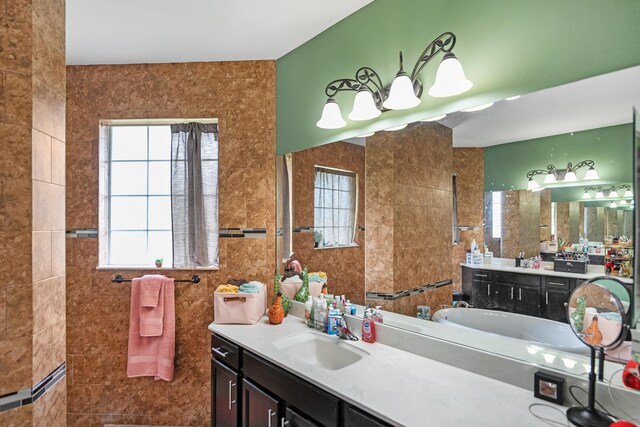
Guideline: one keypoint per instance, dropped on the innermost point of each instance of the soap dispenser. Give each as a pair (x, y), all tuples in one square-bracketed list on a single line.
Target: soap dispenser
[(368, 326)]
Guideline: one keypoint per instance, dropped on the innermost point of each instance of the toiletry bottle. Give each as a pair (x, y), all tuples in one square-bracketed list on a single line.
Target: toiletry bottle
[(307, 308), (318, 319), (368, 326), (332, 321), (343, 309), (377, 317), (352, 308)]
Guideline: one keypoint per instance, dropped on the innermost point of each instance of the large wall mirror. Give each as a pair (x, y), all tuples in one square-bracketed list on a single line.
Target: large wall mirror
[(391, 217)]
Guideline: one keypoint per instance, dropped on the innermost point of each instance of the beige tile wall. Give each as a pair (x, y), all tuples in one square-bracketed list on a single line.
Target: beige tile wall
[(242, 96), (344, 266)]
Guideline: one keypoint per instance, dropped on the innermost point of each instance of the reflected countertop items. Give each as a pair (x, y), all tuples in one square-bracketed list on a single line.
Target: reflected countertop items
[(509, 265), (408, 378)]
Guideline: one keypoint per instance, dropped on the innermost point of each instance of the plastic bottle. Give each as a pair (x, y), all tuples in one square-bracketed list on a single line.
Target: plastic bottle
[(308, 306), (332, 321), (377, 315), (352, 308), (318, 315), (343, 308), (368, 327)]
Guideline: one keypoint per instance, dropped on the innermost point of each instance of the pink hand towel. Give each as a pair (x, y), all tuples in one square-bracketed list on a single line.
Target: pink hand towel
[(152, 356), (151, 305)]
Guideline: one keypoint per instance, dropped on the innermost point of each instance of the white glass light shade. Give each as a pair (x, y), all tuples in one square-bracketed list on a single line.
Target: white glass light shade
[(435, 118), (550, 178), (613, 205), (450, 78), (599, 195), (613, 194), (532, 185), (570, 177), (591, 174), (331, 116), (586, 195), (623, 202), (628, 193), (512, 98), (364, 106), (402, 96), (367, 135)]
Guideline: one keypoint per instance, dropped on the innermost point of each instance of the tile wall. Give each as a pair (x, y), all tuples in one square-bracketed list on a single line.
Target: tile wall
[(344, 266), (32, 198), (242, 96)]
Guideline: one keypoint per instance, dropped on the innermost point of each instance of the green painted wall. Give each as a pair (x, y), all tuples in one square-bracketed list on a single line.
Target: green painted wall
[(506, 165), (507, 47)]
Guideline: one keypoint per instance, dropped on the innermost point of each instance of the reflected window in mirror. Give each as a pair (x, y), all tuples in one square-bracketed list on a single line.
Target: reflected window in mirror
[(455, 232), (287, 204), (496, 215), (554, 220), (335, 207)]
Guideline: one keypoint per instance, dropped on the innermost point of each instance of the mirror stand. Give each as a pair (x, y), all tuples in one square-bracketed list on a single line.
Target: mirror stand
[(589, 416)]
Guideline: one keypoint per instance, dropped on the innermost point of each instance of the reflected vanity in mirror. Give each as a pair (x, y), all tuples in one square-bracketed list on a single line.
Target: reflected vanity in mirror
[(431, 195)]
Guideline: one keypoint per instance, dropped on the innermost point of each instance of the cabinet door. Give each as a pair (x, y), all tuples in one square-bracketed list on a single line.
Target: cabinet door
[(294, 419), (554, 305), (503, 298), (224, 395), (354, 417), (258, 408), (481, 294), (528, 301)]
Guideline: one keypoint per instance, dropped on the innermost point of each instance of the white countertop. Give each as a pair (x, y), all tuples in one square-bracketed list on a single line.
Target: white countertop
[(508, 265), (397, 386)]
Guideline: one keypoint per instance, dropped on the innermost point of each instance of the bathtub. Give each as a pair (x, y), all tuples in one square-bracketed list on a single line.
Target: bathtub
[(534, 330)]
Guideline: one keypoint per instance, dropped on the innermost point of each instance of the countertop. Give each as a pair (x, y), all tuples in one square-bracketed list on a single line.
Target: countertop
[(508, 265), (397, 386)]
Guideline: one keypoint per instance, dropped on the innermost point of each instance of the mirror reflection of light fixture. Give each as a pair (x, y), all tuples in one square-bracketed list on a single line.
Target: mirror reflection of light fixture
[(435, 118), (394, 128), (609, 192), (623, 202), (554, 175), (405, 90), (613, 205), (477, 108)]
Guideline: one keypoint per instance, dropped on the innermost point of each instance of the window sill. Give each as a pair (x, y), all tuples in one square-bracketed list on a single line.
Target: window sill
[(353, 245), (151, 267)]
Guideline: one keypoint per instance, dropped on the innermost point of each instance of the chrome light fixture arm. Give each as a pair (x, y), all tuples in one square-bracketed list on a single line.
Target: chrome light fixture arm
[(365, 76)]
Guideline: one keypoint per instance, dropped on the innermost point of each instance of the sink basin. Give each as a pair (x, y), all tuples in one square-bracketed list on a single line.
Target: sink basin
[(320, 350)]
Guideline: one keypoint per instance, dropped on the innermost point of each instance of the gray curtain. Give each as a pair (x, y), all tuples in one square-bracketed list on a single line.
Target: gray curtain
[(194, 194)]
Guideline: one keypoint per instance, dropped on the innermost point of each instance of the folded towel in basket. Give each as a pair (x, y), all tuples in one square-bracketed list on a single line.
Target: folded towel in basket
[(250, 288), (227, 289)]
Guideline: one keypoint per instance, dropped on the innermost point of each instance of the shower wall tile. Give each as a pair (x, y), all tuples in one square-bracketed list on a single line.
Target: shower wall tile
[(344, 266), (97, 368)]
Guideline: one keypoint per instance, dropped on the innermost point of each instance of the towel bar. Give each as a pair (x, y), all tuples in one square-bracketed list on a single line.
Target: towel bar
[(194, 279)]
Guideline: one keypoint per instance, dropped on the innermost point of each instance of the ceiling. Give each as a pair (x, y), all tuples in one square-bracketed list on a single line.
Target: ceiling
[(596, 102), (153, 31)]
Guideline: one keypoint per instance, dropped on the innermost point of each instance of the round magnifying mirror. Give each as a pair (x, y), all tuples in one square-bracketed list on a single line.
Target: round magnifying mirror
[(596, 312)]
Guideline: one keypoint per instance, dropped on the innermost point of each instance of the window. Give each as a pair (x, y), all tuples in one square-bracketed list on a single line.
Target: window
[(335, 207), (496, 215), (554, 223), (139, 195), (158, 188)]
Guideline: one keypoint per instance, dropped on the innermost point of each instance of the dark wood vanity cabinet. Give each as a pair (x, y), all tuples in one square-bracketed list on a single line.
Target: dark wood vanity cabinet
[(248, 391)]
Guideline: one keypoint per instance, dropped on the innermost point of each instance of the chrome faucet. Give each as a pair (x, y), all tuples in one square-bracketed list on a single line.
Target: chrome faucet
[(343, 330)]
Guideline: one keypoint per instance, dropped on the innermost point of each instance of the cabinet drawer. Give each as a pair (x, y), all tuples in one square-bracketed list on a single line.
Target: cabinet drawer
[(517, 279), (297, 393), (482, 275), (564, 283), (225, 351)]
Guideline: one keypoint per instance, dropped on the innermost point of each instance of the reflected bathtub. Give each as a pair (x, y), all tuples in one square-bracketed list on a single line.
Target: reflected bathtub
[(534, 330)]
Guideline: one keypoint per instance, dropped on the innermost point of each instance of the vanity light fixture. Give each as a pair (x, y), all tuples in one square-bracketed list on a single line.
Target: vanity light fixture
[(532, 185), (477, 108), (434, 118), (373, 98), (609, 193), (554, 175)]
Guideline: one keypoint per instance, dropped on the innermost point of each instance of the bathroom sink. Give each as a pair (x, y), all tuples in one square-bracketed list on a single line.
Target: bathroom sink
[(327, 352)]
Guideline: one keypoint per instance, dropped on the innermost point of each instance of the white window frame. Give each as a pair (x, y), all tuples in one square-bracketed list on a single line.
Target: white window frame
[(355, 195)]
